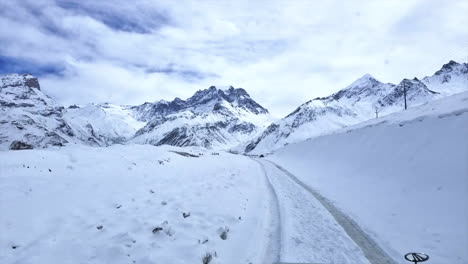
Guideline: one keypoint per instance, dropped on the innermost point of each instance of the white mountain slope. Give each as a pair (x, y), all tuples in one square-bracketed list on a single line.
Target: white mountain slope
[(403, 177), (31, 119), (451, 79), (211, 118), (356, 103), (28, 117), (107, 123)]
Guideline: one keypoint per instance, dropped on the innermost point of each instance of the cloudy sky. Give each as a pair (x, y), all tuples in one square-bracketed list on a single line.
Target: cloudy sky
[(283, 52)]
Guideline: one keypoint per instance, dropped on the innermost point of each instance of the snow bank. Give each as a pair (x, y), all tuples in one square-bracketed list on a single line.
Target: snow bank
[(403, 177)]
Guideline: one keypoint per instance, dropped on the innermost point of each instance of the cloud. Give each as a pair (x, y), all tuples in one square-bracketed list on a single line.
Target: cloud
[(127, 17), (10, 65), (187, 75), (282, 53)]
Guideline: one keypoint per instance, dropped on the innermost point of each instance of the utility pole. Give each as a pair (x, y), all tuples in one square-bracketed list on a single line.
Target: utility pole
[(376, 112), (404, 93)]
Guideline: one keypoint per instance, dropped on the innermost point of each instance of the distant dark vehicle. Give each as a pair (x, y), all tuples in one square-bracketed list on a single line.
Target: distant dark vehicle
[(262, 156)]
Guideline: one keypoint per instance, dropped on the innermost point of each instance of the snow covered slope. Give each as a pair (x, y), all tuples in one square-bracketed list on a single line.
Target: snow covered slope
[(451, 79), (105, 124), (131, 204), (356, 103), (212, 118), (403, 177), (31, 119), (28, 117)]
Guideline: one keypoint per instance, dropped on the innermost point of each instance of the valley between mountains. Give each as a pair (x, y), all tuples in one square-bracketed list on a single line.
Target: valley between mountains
[(214, 178)]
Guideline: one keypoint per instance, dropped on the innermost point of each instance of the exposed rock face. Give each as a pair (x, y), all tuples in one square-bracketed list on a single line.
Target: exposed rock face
[(18, 145), (32, 83)]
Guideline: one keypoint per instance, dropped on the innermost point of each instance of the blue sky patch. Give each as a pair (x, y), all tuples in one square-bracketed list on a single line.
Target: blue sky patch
[(20, 65)]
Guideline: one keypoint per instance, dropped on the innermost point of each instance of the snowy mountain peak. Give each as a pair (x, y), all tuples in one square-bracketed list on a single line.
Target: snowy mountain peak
[(453, 66), (232, 95), (416, 92), (364, 86), (365, 80), (22, 90), (16, 80), (203, 101), (452, 78), (216, 117)]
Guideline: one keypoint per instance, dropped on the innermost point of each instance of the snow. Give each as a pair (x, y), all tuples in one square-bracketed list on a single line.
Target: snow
[(27, 114), (55, 216), (309, 232), (357, 103), (225, 138), (111, 121), (14, 79), (78, 204), (206, 119), (403, 178), (449, 81)]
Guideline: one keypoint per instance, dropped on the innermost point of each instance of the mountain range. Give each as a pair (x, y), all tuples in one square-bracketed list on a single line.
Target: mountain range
[(217, 117), (362, 100)]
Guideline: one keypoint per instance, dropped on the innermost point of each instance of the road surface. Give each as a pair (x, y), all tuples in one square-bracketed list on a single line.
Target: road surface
[(310, 228)]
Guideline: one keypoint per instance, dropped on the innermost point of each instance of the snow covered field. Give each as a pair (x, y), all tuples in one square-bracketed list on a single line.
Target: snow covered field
[(403, 177), (105, 205)]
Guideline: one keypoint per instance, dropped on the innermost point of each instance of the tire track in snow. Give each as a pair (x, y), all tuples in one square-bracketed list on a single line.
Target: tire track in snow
[(371, 249), (273, 254)]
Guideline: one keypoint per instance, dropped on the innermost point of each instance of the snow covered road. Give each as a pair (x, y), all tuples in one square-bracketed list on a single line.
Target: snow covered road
[(312, 229), (370, 248)]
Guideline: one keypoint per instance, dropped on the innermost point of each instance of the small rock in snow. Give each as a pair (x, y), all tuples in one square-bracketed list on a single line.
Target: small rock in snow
[(157, 229), (223, 231), (207, 258)]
